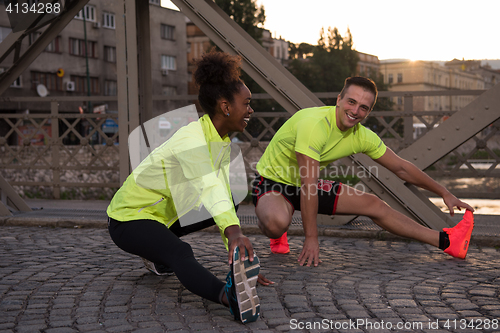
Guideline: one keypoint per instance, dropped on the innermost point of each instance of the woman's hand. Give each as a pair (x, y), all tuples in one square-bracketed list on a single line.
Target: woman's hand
[(235, 239), (263, 281)]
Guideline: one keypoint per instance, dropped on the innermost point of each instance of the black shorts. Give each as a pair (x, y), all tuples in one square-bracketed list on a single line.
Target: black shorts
[(328, 191)]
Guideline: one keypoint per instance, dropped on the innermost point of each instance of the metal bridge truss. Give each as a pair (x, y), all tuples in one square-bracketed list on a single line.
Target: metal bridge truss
[(135, 100)]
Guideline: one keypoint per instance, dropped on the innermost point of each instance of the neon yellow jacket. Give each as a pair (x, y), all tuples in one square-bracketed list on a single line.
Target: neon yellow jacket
[(189, 169)]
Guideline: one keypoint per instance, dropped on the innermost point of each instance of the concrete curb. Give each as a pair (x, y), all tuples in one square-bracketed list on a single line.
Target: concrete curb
[(53, 222), (81, 223)]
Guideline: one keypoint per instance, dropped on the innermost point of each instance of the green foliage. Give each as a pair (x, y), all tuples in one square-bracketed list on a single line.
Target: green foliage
[(250, 18), (324, 67), (247, 14)]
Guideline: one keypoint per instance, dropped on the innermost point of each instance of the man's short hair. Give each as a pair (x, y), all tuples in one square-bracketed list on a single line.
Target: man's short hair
[(362, 82)]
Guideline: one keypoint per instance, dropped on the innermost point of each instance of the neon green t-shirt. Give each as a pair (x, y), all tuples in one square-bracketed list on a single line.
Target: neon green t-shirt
[(314, 133)]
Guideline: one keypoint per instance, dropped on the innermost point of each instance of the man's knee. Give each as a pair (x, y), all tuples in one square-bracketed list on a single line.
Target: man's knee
[(274, 227), (377, 206)]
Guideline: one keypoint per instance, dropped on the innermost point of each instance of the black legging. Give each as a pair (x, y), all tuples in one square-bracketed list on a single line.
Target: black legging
[(155, 242)]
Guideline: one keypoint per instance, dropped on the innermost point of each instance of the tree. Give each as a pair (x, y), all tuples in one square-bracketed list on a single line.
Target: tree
[(247, 14), (328, 65), (251, 18), (300, 51)]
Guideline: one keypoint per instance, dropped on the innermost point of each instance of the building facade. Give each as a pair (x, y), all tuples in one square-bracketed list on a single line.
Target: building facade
[(368, 64), (490, 76), (81, 60), (429, 76), (199, 43)]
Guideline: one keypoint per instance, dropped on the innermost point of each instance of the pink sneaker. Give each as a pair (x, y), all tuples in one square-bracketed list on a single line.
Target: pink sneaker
[(460, 236), (280, 245)]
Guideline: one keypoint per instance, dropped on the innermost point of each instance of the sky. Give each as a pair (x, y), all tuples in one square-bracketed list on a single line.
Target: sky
[(394, 29)]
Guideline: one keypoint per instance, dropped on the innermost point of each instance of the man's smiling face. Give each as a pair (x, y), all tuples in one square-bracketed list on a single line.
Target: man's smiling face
[(353, 107)]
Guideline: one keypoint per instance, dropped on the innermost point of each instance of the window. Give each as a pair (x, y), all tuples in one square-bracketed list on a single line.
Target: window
[(77, 47), (400, 77), (4, 32), (169, 91), (108, 20), (168, 62), (110, 88), (391, 79), (89, 13), (53, 47), (110, 53), (81, 84), (167, 32), (33, 37), (50, 80), (400, 100), (17, 83)]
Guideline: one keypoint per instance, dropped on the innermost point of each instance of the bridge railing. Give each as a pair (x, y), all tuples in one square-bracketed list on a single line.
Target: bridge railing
[(76, 155)]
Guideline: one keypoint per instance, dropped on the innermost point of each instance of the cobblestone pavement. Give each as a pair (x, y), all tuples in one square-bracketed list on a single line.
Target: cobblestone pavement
[(76, 280)]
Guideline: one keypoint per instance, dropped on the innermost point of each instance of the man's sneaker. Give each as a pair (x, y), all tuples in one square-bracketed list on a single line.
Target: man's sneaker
[(158, 269), (240, 288), (280, 245), (459, 236)]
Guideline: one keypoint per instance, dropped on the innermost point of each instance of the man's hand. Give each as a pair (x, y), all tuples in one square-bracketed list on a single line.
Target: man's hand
[(309, 171), (310, 252), (235, 239), (452, 201), (263, 281)]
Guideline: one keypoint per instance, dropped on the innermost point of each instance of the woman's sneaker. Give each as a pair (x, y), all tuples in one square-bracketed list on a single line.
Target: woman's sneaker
[(158, 269), (240, 289)]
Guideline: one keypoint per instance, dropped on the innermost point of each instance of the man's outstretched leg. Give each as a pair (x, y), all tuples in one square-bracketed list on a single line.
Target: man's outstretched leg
[(354, 202)]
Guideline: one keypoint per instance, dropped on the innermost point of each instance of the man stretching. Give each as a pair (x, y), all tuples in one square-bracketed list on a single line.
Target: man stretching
[(312, 138)]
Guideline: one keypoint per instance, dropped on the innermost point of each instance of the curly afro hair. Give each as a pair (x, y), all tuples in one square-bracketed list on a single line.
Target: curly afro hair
[(218, 76)]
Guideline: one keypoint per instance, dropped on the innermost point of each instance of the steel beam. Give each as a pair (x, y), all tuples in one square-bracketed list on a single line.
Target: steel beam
[(144, 62), (293, 96), (127, 78), (459, 128), (257, 62), (21, 62), (434, 145), (10, 198)]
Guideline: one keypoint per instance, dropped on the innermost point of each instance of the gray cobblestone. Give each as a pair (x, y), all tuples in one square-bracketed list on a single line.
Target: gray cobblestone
[(77, 280)]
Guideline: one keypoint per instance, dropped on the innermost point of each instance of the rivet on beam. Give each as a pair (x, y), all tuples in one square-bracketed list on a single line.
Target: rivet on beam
[(458, 128), (471, 117), (415, 158), (429, 148), (487, 107), (443, 138)]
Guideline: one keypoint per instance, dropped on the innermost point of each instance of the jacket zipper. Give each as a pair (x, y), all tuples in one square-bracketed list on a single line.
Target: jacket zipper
[(152, 204)]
